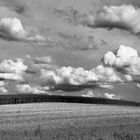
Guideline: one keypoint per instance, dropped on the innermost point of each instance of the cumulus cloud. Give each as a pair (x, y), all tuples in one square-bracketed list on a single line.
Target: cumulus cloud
[(124, 17), (79, 76), (107, 74), (12, 69), (106, 86), (3, 90), (125, 59), (44, 60), (138, 85), (68, 75), (12, 29), (70, 78), (89, 94), (27, 89), (118, 66), (36, 63), (11, 76), (2, 83), (128, 77), (101, 95), (10, 66), (111, 96)]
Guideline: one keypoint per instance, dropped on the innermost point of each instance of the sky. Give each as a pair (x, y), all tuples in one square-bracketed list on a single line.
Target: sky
[(86, 48)]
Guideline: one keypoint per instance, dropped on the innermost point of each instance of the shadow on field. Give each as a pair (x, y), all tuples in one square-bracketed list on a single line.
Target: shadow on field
[(32, 98)]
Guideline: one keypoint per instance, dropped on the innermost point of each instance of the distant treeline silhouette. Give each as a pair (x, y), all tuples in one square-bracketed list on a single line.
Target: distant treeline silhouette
[(33, 98)]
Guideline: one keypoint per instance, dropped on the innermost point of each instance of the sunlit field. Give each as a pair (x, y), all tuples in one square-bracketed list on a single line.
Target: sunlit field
[(62, 121)]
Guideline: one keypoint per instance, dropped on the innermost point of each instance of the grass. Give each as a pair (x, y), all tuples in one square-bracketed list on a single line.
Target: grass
[(112, 133), (65, 121)]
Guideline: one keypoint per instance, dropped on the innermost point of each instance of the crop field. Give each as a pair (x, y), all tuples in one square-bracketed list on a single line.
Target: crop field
[(65, 121)]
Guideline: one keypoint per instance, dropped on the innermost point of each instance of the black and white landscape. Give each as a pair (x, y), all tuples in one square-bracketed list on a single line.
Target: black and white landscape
[(77, 48), (84, 51)]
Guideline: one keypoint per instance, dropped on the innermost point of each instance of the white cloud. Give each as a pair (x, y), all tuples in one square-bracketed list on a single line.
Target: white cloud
[(89, 94), (44, 60), (101, 95), (107, 74), (2, 83), (12, 28), (35, 64), (128, 77), (41, 71), (111, 96), (10, 66), (78, 78), (138, 85), (123, 17), (107, 86), (11, 76), (27, 89), (3, 90), (13, 69), (68, 75), (125, 59)]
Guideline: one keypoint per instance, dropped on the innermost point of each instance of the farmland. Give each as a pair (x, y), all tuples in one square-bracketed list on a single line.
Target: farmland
[(47, 121)]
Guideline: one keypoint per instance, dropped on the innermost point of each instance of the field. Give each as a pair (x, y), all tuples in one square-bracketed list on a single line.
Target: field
[(60, 121)]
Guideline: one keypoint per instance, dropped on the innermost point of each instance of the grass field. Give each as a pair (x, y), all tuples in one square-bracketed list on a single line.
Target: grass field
[(65, 121)]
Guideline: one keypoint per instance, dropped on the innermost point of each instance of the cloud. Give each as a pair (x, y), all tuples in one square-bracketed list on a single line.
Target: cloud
[(89, 94), (128, 77), (36, 63), (111, 96), (118, 67), (3, 90), (107, 74), (125, 59), (43, 60), (124, 17), (27, 89), (106, 86), (14, 6), (68, 75), (12, 29), (11, 76), (12, 69), (76, 79), (10, 66), (138, 85), (80, 76), (100, 95), (2, 83)]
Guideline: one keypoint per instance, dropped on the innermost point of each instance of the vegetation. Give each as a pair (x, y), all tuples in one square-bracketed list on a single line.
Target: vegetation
[(32, 98)]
